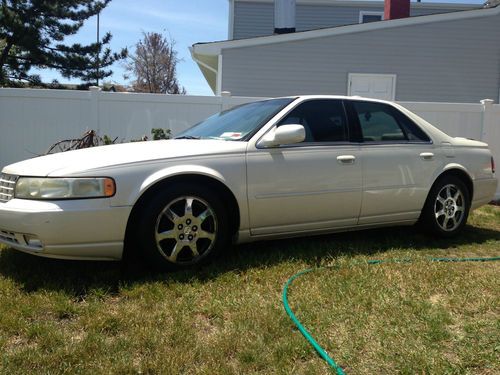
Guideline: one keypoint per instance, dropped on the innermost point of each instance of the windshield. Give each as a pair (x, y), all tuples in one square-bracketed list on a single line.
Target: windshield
[(238, 123)]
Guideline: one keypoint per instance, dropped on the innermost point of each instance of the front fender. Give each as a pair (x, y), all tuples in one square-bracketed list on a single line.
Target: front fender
[(141, 182), (178, 170)]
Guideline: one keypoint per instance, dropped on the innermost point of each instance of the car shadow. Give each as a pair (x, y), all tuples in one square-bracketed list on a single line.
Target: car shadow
[(77, 278)]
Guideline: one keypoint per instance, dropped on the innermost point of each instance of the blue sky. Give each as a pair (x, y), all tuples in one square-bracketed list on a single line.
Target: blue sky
[(186, 21)]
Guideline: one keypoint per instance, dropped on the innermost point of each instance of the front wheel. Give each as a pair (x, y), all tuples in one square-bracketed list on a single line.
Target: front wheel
[(182, 226), (447, 207)]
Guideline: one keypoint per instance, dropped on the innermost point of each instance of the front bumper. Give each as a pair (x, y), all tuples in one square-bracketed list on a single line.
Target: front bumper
[(74, 229)]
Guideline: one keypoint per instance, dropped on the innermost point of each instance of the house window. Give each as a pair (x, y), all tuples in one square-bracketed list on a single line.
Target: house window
[(367, 16)]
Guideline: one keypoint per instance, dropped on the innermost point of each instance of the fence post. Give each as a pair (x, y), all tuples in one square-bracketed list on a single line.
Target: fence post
[(486, 117), (491, 131), (226, 100), (94, 108)]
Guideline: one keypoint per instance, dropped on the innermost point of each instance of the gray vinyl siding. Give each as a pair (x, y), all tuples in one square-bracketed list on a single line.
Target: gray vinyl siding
[(452, 61), (257, 19), (253, 19)]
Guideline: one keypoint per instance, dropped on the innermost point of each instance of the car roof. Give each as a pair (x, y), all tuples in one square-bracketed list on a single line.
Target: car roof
[(340, 97)]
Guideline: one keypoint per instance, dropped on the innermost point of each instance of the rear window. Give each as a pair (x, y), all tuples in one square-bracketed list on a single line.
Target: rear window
[(382, 123)]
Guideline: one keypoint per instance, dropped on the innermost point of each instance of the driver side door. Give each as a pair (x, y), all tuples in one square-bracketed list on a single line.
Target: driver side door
[(312, 185)]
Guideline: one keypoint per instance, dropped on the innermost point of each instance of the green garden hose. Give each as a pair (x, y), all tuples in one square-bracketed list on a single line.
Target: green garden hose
[(322, 353)]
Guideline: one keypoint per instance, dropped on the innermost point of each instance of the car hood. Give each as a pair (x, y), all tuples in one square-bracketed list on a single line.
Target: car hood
[(69, 163)]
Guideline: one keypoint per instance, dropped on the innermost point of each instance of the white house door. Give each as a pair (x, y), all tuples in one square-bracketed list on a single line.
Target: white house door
[(378, 86)]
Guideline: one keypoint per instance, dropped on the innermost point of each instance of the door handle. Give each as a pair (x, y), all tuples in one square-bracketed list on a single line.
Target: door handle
[(346, 159), (426, 156)]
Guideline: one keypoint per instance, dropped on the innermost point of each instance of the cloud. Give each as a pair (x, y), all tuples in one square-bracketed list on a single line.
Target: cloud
[(179, 18), (118, 25)]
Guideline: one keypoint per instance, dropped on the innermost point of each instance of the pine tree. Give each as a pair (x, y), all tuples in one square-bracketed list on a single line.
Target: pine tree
[(32, 34)]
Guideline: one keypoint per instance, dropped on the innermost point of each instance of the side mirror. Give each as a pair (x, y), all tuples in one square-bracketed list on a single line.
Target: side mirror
[(284, 135)]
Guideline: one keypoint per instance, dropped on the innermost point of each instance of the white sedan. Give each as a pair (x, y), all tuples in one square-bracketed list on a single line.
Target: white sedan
[(269, 169)]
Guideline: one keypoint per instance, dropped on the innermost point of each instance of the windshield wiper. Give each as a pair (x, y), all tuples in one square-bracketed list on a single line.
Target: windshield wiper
[(187, 137)]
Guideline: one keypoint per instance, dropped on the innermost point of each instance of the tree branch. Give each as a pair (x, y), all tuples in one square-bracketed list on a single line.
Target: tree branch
[(53, 66), (5, 51)]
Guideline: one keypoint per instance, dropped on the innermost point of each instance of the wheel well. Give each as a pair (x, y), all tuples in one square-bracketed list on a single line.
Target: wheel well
[(463, 176), (222, 190)]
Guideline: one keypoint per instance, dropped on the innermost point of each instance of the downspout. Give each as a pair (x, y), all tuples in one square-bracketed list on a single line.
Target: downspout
[(218, 87)]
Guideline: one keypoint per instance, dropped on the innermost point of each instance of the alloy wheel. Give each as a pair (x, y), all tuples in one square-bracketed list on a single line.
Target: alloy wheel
[(186, 230), (449, 207)]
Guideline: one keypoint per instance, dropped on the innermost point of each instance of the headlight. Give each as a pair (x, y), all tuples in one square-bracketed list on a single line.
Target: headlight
[(64, 188)]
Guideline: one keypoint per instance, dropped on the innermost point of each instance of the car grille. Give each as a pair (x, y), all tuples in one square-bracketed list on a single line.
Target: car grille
[(9, 237), (7, 184)]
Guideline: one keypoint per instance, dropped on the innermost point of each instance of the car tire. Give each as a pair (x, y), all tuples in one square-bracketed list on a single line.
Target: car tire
[(447, 207), (182, 226)]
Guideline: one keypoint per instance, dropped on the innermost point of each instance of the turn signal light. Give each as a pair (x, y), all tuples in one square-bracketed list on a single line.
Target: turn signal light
[(109, 187)]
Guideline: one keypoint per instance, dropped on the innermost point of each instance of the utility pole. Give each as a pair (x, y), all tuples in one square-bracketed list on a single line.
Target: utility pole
[(98, 51)]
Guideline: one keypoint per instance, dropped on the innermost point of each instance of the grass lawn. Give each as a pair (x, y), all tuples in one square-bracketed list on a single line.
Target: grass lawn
[(227, 318)]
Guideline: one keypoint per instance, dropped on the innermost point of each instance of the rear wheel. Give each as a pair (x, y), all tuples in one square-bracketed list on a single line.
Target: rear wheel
[(447, 207), (182, 227)]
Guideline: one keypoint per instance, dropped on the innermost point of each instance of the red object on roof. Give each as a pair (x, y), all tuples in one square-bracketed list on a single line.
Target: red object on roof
[(396, 9)]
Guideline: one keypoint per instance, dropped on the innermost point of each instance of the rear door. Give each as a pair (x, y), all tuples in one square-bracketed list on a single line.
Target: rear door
[(398, 163)]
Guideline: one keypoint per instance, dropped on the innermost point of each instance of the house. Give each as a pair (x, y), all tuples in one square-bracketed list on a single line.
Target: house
[(444, 57), (251, 18)]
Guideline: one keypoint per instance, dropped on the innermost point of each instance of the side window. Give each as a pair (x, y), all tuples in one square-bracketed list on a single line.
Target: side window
[(378, 123), (324, 120), (413, 132)]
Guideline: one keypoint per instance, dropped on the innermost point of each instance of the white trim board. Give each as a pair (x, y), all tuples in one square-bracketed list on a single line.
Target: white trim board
[(230, 24)]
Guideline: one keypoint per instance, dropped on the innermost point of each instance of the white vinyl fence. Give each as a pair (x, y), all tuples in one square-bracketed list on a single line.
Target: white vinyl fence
[(32, 120)]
